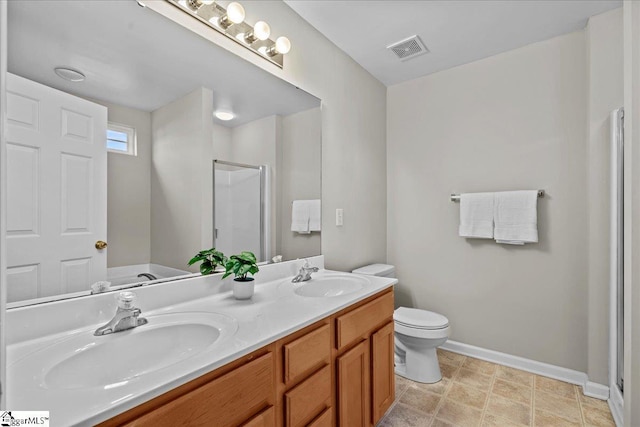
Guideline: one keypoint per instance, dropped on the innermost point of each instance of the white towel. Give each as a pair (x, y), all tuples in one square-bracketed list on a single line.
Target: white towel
[(300, 216), (315, 215), (476, 215), (516, 217)]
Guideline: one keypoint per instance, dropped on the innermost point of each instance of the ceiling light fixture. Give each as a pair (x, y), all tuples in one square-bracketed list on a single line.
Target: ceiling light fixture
[(224, 115), (69, 74), (230, 22)]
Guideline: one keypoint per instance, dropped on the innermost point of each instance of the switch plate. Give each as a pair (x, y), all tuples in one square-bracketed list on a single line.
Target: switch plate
[(339, 217)]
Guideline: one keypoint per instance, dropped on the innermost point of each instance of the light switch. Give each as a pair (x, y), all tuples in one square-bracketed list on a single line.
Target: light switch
[(339, 217)]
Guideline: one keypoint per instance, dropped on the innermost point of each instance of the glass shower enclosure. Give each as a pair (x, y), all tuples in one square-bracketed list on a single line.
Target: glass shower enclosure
[(240, 208)]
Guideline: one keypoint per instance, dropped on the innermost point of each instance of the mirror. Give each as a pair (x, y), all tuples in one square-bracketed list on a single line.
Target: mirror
[(126, 174)]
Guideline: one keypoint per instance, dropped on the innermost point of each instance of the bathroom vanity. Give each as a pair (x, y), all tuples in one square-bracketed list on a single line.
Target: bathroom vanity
[(316, 353)]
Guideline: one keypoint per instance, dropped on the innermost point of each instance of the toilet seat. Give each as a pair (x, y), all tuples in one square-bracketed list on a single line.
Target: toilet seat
[(419, 319)]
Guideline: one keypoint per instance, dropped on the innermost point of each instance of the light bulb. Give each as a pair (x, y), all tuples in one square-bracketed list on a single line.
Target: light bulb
[(283, 45), (261, 30), (235, 12)]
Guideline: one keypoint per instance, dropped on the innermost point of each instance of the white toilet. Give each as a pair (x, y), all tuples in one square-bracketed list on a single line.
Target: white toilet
[(417, 335)]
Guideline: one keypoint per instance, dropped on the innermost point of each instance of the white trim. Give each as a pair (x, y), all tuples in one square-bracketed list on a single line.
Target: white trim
[(589, 388), (616, 406)]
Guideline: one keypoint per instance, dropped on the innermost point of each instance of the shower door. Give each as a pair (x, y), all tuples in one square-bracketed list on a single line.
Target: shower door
[(239, 215)]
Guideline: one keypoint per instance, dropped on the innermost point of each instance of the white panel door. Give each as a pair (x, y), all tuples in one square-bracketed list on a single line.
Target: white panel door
[(56, 191)]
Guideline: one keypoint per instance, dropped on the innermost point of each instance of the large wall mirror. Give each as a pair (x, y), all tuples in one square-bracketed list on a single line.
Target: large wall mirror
[(117, 168)]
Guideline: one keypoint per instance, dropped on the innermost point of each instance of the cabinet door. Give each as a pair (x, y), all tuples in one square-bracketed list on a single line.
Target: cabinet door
[(353, 386), (382, 372), (224, 402), (266, 418), (308, 399)]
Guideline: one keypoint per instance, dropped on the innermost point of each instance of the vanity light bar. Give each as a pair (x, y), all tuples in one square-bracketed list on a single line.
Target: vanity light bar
[(230, 22)]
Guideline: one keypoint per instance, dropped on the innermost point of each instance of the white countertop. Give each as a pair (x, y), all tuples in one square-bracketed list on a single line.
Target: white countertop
[(274, 311)]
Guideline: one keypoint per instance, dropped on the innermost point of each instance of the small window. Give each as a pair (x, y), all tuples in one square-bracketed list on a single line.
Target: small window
[(121, 139)]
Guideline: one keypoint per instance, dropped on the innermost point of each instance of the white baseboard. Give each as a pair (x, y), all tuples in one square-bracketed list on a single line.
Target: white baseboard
[(616, 406), (589, 388)]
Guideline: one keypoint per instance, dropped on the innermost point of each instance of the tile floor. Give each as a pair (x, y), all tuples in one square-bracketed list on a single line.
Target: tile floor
[(478, 393)]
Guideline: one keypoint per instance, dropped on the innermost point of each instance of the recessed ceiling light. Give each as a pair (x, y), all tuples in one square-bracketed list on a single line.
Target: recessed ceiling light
[(69, 74), (224, 115)]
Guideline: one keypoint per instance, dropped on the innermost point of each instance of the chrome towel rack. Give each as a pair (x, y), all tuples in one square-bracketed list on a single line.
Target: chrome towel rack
[(456, 197)]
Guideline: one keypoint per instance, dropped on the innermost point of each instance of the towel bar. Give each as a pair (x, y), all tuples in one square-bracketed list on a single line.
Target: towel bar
[(456, 197)]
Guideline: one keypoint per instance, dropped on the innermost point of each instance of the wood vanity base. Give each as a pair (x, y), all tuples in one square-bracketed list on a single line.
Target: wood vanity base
[(338, 371)]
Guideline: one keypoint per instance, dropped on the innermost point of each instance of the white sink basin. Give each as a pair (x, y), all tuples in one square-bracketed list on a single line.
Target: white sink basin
[(330, 285), (113, 360)]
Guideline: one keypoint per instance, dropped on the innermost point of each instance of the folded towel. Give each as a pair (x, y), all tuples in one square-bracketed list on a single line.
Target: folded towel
[(476, 215), (315, 214), (300, 215), (516, 217)]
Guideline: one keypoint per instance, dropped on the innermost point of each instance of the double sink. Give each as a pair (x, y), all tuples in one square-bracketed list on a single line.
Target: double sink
[(81, 360)]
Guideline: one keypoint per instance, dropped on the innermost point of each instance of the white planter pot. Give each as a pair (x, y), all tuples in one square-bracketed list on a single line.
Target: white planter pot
[(244, 289)]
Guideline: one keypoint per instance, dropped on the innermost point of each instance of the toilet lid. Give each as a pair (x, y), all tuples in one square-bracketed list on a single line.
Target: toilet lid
[(419, 319)]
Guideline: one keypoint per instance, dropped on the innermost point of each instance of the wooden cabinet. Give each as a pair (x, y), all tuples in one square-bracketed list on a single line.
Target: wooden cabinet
[(366, 379), (382, 373), (337, 371)]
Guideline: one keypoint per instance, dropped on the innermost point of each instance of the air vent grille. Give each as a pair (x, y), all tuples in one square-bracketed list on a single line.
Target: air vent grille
[(408, 48)]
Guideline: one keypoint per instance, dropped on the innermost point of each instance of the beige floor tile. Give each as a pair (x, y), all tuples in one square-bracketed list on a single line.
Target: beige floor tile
[(519, 393), (404, 416), (473, 379), (421, 400), (448, 371), (597, 417), (479, 366), (401, 385), (558, 405), (556, 387), (459, 414), (590, 401), (515, 375), (450, 358), (470, 396), (441, 423), (491, 420), (546, 419), (509, 409)]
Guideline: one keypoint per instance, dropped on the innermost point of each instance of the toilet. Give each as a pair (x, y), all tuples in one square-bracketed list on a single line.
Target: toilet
[(417, 335)]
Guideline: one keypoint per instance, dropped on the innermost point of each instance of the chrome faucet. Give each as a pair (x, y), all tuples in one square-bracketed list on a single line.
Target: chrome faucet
[(126, 316), (305, 273)]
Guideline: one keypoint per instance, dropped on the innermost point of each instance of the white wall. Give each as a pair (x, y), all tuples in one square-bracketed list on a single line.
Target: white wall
[(301, 172), (129, 192), (512, 121), (353, 128), (181, 184), (605, 93)]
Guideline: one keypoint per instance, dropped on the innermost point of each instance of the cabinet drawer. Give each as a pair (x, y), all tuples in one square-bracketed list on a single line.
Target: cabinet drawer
[(358, 323), (307, 352), (225, 401), (265, 418), (308, 399), (323, 420)]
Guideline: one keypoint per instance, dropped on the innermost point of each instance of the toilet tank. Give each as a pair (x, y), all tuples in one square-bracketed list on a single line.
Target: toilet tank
[(382, 270)]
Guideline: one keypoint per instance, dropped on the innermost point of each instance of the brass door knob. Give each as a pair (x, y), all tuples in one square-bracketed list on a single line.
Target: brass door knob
[(100, 245)]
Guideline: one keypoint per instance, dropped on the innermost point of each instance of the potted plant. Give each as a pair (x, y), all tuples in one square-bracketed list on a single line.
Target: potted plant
[(210, 260), (242, 265)]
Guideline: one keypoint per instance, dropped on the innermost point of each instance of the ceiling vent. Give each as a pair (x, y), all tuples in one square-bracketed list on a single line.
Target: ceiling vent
[(409, 48)]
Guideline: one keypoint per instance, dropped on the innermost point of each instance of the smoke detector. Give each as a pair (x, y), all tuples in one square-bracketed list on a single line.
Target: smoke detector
[(408, 48)]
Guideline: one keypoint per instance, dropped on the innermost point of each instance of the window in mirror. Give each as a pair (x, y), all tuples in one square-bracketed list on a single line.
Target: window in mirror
[(121, 139)]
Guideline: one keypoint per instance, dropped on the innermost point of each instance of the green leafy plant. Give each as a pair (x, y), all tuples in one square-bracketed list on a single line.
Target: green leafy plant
[(241, 265), (210, 260)]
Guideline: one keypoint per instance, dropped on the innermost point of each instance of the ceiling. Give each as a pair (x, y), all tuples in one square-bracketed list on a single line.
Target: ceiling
[(455, 32), (134, 57)]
